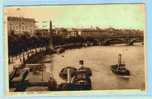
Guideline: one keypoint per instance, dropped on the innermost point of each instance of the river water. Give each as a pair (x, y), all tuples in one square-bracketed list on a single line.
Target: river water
[(99, 59)]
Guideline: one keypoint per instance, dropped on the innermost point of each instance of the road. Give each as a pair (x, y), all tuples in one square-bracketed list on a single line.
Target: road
[(99, 59)]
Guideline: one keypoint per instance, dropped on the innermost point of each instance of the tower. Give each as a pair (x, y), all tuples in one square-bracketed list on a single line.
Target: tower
[(50, 27), (51, 38)]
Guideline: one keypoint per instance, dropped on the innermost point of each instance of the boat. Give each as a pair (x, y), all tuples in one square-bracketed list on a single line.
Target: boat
[(82, 79), (76, 79), (120, 69), (64, 73), (60, 50)]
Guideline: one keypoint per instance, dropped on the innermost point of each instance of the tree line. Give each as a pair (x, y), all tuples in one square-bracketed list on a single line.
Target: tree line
[(18, 43)]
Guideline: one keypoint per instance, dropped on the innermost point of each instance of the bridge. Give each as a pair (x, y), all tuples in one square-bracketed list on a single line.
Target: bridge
[(119, 40)]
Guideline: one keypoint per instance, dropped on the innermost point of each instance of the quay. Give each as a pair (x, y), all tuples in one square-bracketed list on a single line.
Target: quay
[(29, 77)]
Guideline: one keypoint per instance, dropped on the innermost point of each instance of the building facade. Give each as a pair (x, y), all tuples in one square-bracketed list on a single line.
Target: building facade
[(89, 32), (21, 25), (42, 32)]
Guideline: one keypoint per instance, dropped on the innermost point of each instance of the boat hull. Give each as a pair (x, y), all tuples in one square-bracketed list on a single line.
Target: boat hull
[(122, 72)]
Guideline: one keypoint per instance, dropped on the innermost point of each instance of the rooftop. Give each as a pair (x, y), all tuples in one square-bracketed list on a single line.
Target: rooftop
[(20, 18)]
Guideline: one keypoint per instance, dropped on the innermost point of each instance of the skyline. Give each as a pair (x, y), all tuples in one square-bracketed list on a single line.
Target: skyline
[(129, 16)]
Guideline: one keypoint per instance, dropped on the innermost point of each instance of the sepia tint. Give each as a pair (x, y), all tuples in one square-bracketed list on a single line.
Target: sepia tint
[(75, 47)]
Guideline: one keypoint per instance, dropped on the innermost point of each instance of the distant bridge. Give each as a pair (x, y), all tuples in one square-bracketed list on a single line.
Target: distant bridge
[(119, 40)]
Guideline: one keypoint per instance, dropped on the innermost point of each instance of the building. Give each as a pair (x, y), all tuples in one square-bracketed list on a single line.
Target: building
[(89, 32), (42, 32), (60, 32), (21, 25), (72, 32)]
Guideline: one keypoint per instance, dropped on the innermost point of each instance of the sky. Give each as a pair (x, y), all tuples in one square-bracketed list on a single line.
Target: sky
[(129, 16)]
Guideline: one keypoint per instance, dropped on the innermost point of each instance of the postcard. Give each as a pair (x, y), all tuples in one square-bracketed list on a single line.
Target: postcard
[(58, 48)]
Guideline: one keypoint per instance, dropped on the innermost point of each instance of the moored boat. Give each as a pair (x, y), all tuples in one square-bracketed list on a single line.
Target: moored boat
[(76, 79)]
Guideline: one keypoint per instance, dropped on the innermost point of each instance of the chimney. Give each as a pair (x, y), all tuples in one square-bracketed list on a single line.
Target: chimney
[(68, 76)]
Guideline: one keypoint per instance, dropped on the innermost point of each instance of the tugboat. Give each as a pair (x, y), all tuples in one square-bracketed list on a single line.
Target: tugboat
[(120, 68), (76, 79), (82, 78)]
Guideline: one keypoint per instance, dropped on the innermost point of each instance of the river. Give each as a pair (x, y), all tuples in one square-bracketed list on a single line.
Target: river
[(99, 59)]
